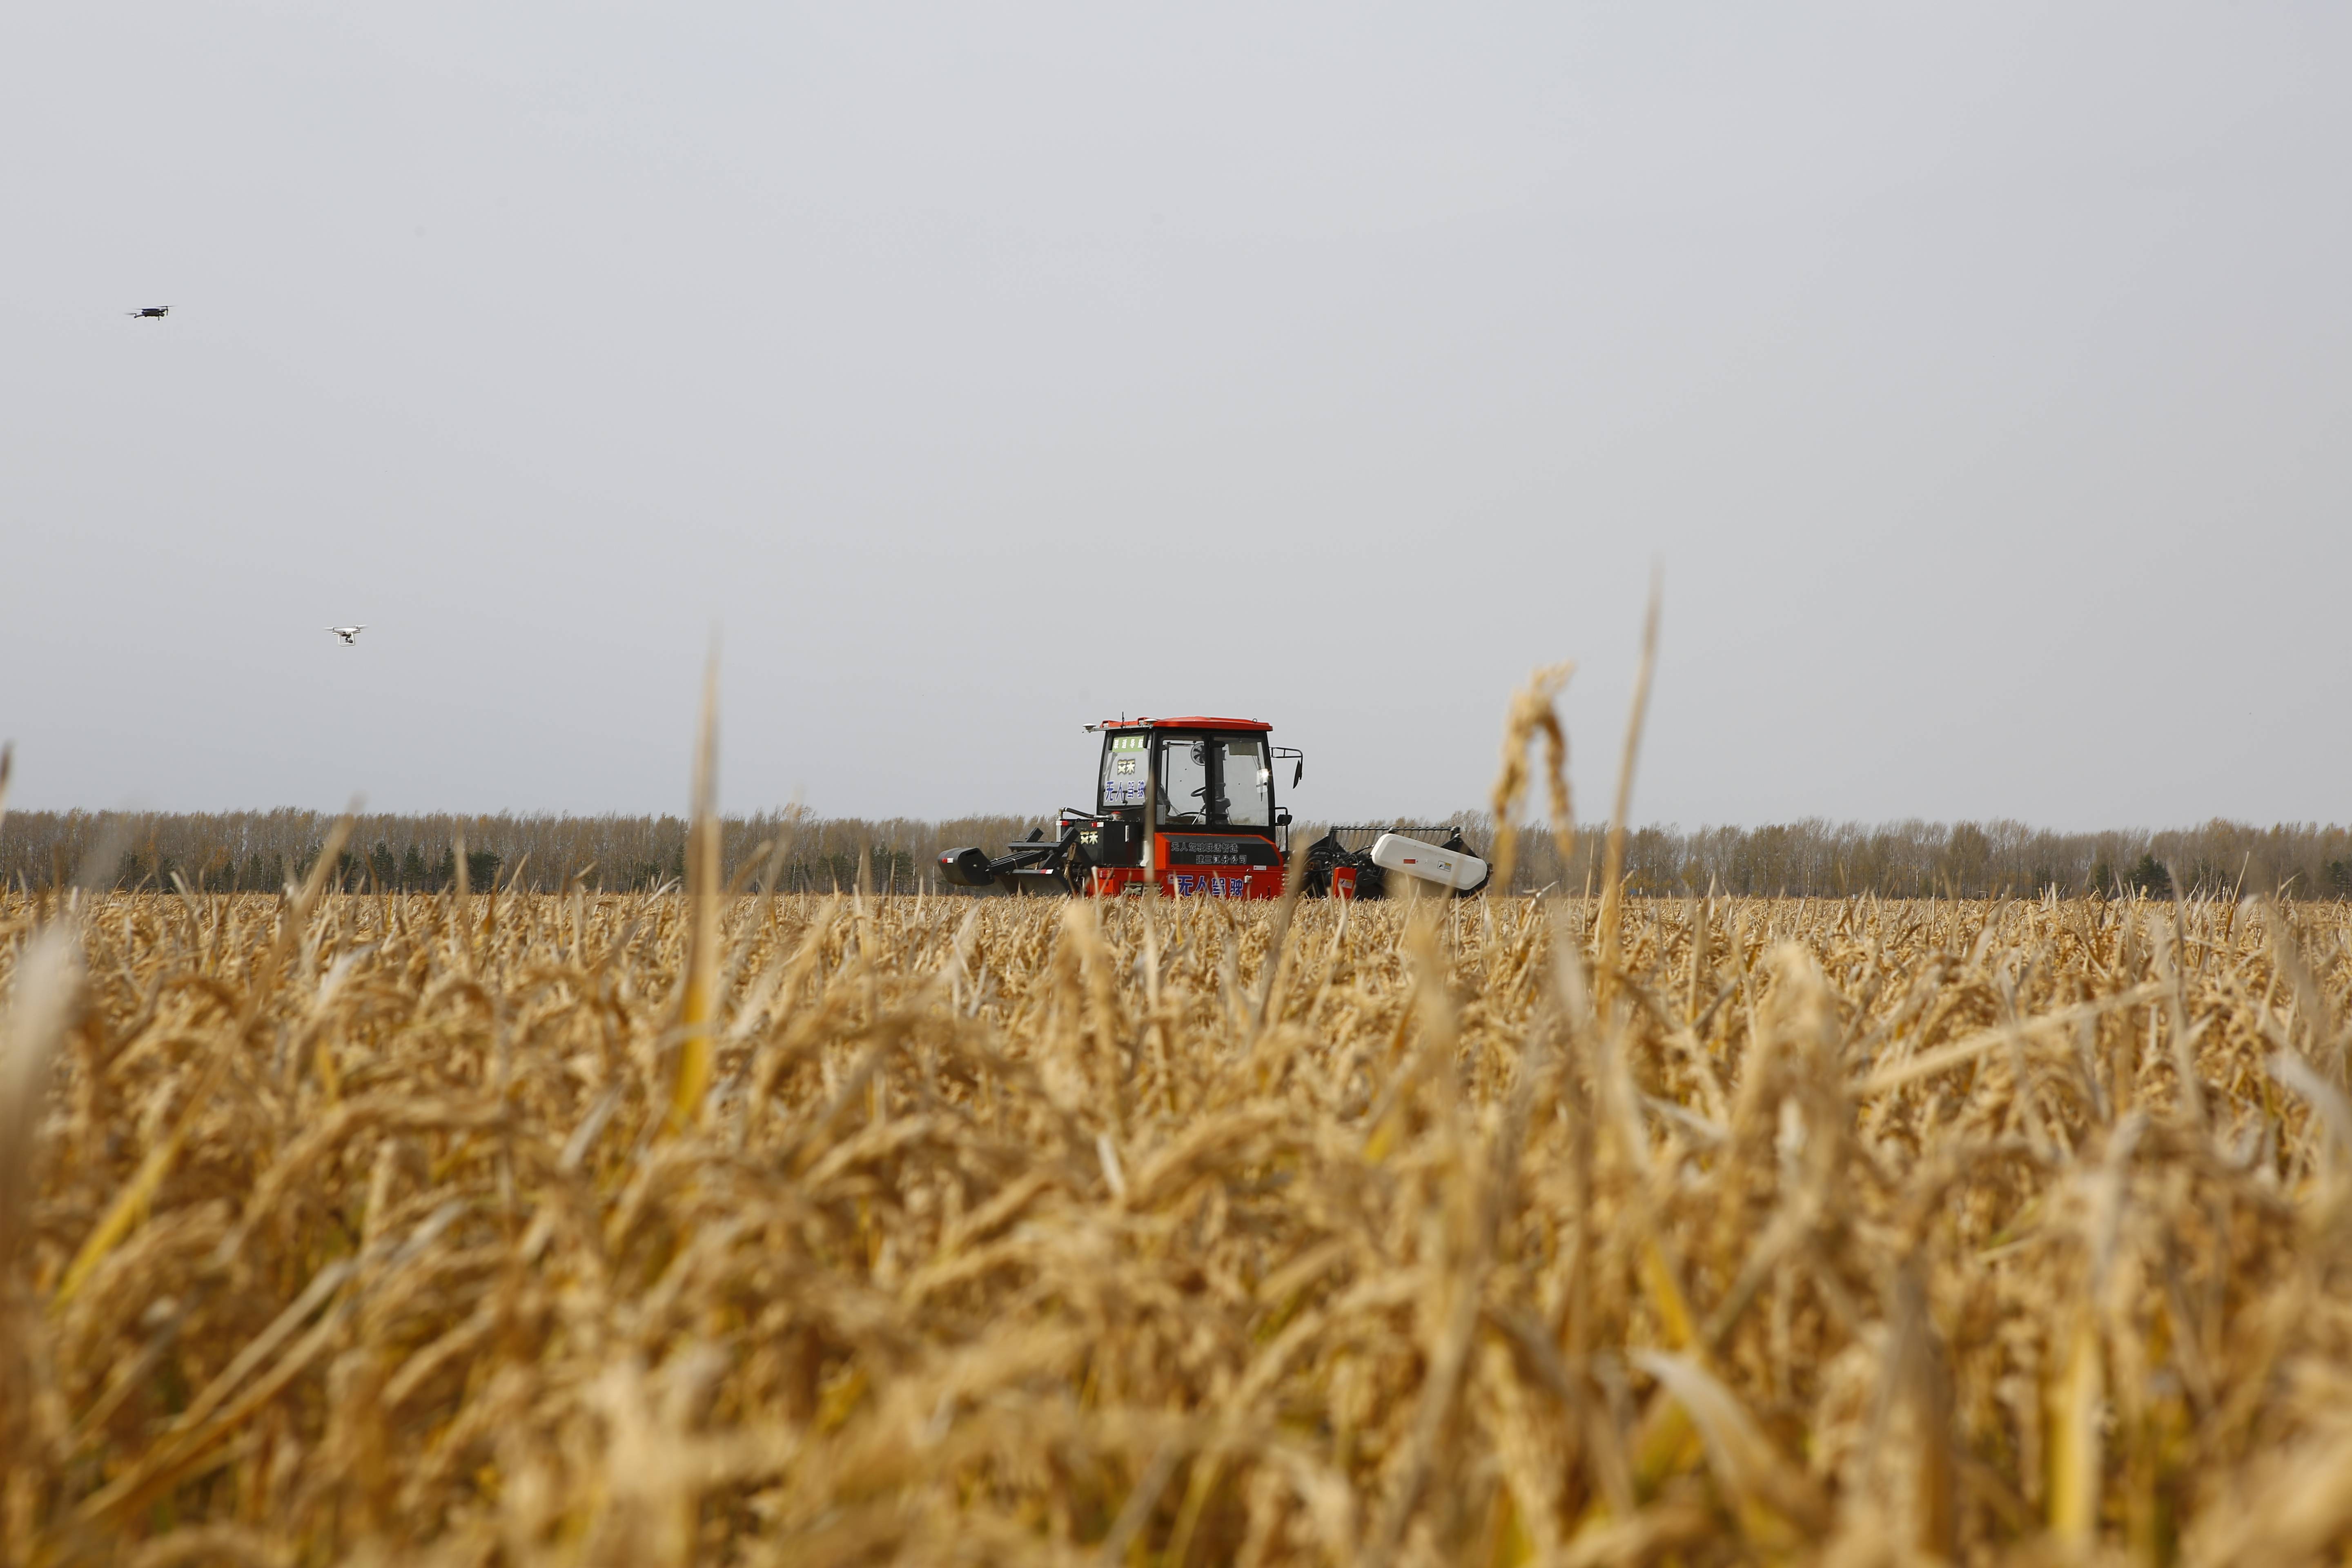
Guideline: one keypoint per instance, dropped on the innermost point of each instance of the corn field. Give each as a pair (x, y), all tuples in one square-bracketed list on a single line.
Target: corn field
[(599, 1229)]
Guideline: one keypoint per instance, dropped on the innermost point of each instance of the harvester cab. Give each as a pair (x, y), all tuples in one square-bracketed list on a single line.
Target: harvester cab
[(1187, 805)]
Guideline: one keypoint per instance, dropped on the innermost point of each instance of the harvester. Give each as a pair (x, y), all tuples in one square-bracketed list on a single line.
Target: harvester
[(1187, 807)]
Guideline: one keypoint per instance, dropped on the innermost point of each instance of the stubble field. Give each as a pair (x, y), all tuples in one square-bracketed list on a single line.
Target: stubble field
[(653, 1230)]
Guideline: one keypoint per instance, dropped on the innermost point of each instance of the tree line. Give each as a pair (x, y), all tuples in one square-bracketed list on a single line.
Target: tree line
[(260, 851), (1819, 858)]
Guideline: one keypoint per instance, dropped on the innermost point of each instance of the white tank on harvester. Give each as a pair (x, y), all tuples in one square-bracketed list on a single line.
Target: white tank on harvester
[(1455, 870)]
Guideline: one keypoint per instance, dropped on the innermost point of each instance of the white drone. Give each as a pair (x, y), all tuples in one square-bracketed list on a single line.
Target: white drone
[(351, 635)]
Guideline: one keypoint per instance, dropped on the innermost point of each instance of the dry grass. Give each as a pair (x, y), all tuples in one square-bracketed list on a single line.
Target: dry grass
[(364, 1228)]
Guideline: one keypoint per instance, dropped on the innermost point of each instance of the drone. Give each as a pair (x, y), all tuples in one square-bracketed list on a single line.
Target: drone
[(351, 635), (150, 312)]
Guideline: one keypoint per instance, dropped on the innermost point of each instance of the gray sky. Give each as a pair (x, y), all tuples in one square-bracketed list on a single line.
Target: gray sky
[(1978, 374)]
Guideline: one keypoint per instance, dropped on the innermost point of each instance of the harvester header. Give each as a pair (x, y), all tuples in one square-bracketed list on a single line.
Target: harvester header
[(1187, 805)]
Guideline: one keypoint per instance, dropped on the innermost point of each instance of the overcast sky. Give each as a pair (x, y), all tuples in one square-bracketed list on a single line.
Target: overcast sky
[(1980, 378)]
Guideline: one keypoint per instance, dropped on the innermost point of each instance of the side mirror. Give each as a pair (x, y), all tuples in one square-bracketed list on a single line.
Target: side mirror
[(1299, 772)]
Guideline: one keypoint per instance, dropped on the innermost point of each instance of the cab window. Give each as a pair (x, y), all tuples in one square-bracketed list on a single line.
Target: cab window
[(1184, 794), (1247, 782), (1123, 778), (1219, 781)]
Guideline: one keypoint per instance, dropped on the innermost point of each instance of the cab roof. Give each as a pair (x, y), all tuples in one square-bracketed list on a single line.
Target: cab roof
[(1192, 722)]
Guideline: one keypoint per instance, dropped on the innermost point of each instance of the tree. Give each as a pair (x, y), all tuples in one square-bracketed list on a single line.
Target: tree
[(412, 870), (890, 867), (1967, 858), (384, 868), (2150, 877)]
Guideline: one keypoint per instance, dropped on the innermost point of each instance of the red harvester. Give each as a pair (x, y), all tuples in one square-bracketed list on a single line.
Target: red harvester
[(1187, 805)]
